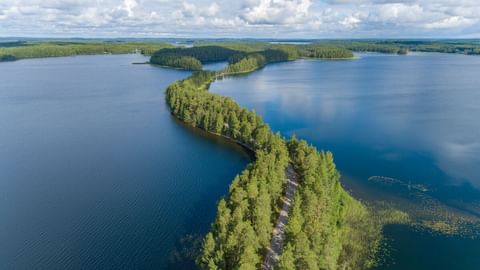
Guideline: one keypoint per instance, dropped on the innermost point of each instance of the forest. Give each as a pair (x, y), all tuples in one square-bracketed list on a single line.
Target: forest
[(469, 47), (10, 51), (244, 58), (328, 229), (207, 51)]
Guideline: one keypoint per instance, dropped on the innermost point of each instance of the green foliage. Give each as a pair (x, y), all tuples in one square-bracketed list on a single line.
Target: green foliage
[(204, 54), (180, 62), (243, 227), (191, 58), (240, 46), (370, 46), (54, 49), (323, 219), (403, 46), (248, 62), (327, 228), (325, 52)]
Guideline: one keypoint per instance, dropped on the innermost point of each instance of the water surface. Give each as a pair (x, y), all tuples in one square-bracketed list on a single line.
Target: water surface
[(413, 118), (94, 171)]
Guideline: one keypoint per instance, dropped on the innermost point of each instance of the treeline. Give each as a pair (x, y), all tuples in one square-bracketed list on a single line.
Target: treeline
[(404, 46), (243, 227), (54, 49), (372, 46), (247, 62), (327, 228), (240, 46), (176, 61), (245, 58), (459, 47), (191, 58), (325, 52), (204, 54)]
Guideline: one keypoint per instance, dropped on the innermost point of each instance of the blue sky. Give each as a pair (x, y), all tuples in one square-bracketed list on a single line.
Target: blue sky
[(241, 18)]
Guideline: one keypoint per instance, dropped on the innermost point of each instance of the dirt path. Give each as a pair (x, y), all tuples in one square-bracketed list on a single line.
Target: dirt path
[(278, 237)]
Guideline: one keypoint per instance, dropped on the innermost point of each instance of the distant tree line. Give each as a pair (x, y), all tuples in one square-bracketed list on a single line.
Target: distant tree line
[(469, 47), (54, 49), (325, 52), (191, 58), (245, 58), (177, 61), (369, 47)]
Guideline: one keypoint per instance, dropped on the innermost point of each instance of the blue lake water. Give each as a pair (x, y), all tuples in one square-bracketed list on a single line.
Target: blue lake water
[(94, 171), (414, 118)]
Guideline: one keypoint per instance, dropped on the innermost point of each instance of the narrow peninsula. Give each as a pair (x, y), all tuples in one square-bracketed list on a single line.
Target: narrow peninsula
[(326, 227)]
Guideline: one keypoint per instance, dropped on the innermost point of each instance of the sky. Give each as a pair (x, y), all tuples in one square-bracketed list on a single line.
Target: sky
[(307, 19)]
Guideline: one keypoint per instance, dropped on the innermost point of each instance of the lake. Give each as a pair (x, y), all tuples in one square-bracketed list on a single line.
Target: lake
[(408, 122), (94, 171)]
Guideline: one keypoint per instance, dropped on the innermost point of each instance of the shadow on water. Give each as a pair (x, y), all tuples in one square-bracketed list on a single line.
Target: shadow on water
[(201, 215)]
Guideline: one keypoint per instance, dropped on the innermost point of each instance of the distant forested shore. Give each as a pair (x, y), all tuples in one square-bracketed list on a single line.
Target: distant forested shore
[(11, 50), (244, 58)]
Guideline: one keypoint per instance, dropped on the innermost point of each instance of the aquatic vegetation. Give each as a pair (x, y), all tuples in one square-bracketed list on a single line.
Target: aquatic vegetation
[(424, 210)]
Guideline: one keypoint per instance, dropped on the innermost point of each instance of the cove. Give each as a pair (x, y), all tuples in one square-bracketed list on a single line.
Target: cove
[(411, 118), (94, 171)]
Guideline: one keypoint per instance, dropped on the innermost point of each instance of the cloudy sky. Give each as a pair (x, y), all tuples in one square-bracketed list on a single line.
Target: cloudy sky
[(241, 18)]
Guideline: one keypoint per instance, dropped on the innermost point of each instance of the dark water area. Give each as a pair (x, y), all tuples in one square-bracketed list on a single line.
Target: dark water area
[(412, 119), (94, 171), (428, 251)]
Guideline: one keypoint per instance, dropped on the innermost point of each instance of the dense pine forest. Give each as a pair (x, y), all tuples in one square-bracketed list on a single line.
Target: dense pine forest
[(10, 51), (245, 58), (206, 51), (404, 46), (328, 229)]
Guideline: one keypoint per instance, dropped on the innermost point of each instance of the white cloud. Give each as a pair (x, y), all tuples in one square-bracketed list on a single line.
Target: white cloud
[(129, 6), (190, 10), (275, 11), (451, 22), (350, 21), (399, 13), (234, 18)]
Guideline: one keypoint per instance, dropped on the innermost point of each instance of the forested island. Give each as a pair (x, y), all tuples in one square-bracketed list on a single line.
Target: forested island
[(225, 49), (327, 228), (244, 58), (11, 51)]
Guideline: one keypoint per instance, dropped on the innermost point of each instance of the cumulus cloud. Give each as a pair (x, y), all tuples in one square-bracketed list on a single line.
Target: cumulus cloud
[(351, 21), (451, 22), (190, 10), (288, 18), (275, 11)]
